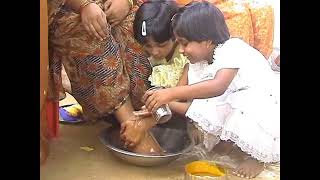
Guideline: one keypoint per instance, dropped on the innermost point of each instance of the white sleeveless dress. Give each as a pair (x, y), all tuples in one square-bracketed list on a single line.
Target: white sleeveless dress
[(248, 113)]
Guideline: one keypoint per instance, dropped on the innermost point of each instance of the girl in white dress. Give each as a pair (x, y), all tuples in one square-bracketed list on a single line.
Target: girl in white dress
[(230, 90)]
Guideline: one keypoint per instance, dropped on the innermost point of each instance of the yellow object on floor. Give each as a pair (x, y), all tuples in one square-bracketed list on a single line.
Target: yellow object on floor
[(74, 110), (204, 169), (86, 148)]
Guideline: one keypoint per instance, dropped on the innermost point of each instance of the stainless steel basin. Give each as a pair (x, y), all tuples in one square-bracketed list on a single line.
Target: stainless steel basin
[(172, 137)]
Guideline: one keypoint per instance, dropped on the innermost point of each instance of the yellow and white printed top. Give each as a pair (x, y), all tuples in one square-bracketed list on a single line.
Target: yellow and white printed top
[(167, 73)]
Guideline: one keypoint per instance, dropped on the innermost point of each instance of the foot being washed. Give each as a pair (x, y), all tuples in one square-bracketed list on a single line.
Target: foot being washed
[(135, 133)]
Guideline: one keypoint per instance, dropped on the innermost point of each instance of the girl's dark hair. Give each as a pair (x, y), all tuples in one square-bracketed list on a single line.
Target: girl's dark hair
[(201, 21), (157, 15)]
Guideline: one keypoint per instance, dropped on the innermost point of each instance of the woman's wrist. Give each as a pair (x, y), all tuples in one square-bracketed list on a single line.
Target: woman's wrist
[(78, 5), (83, 4)]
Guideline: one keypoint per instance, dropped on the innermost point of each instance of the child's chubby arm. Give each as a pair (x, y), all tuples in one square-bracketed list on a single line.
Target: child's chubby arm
[(180, 107), (208, 88), (205, 89)]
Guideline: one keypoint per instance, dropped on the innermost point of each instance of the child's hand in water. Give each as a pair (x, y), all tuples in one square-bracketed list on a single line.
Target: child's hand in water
[(155, 98)]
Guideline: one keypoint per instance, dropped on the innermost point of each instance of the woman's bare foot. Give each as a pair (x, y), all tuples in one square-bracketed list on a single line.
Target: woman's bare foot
[(132, 132), (135, 130), (249, 168), (138, 138), (148, 145), (223, 147)]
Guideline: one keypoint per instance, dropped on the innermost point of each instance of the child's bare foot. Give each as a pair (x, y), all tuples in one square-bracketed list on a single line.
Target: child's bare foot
[(223, 147), (250, 168)]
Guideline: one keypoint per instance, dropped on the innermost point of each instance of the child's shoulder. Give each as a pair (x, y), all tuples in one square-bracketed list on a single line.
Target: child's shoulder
[(235, 42), (233, 47)]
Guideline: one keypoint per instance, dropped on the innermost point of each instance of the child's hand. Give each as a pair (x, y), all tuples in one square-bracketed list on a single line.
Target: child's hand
[(155, 98)]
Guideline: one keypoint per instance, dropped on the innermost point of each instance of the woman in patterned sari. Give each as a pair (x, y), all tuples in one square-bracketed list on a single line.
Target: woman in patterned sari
[(107, 69)]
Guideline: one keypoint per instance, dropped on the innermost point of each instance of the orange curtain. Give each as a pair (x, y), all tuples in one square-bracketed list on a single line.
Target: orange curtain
[(252, 22), (262, 16)]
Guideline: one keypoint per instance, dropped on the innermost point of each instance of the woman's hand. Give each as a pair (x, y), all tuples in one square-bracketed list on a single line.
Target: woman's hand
[(155, 98), (94, 20), (116, 10)]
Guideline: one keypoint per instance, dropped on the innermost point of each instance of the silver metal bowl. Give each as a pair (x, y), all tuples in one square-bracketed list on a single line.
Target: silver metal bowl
[(172, 136)]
